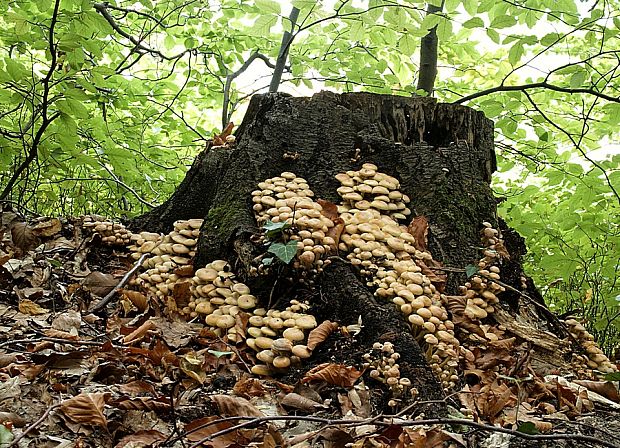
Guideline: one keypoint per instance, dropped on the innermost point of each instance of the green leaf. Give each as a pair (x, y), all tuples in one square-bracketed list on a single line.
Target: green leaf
[(474, 22), (285, 252), (471, 269), (262, 25), (6, 436), (578, 79), (407, 45), (219, 354), (444, 29), (503, 21), (268, 6), (528, 428), (614, 376), (273, 229)]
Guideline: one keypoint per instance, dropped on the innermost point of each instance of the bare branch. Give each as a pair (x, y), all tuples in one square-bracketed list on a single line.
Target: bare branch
[(536, 85)]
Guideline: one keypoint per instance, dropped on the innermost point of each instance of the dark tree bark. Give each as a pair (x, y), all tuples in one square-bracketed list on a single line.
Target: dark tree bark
[(442, 154)]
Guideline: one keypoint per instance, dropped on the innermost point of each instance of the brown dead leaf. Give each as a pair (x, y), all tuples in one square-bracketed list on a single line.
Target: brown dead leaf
[(191, 364), (605, 388), (329, 209), (248, 387), (139, 300), (220, 139), (187, 270), (23, 237), (181, 293), (336, 374), (501, 250), (321, 333), (161, 404), (137, 387), (144, 438), (232, 406), (99, 283), (47, 228), (139, 332), (204, 427), (8, 358), (52, 333), (29, 307), (67, 321), (436, 276), (302, 403), (423, 438), (86, 408), (418, 227)]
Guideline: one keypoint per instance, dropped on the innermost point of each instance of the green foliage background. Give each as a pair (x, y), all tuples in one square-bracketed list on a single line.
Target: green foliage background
[(104, 105)]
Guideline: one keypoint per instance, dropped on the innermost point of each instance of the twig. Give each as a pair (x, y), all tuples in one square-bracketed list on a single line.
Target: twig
[(230, 78), (236, 352), (103, 302), (126, 187), (390, 420), (33, 426), (50, 339)]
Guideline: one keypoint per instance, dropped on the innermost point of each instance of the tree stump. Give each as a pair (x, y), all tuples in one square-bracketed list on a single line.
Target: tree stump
[(443, 156)]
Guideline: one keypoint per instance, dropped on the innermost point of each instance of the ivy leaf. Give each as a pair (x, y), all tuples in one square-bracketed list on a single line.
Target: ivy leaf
[(284, 251), (267, 261), (471, 269), (273, 229)]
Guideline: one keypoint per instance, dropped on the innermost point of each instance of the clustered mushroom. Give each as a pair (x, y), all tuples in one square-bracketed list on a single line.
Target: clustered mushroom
[(279, 337), (368, 189), (112, 233), (288, 198), (386, 253), (170, 261), (480, 291), (594, 358), (383, 364)]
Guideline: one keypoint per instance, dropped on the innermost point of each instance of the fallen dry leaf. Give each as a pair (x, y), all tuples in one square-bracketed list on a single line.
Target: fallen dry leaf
[(232, 406), (418, 227), (47, 228), (23, 237), (139, 332), (337, 374), (29, 307), (302, 403), (52, 333), (204, 427), (321, 333), (142, 438), (248, 387), (99, 283), (139, 300), (86, 408)]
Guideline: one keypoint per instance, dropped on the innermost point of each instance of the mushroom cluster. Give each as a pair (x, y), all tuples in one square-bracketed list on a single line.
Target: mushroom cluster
[(220, 298), (386, 253), (279, 337), (170, 261), (368, 189), (111, 232), (383, 364), (480, 291), (288, 198), (594, 358)]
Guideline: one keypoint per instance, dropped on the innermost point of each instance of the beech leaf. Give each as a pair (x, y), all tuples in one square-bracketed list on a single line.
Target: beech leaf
[(86, 408)]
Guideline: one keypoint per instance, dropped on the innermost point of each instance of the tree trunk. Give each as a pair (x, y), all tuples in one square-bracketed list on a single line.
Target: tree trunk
[(443, 156)]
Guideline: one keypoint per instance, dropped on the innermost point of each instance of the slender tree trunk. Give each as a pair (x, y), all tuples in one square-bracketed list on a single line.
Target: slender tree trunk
[(428, 55)]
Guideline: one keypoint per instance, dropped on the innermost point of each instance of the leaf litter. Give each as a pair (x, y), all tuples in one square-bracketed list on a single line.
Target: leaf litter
[(141, 377)]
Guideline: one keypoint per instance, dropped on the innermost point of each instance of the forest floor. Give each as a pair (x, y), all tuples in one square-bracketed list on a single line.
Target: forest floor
[(86, 360)]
